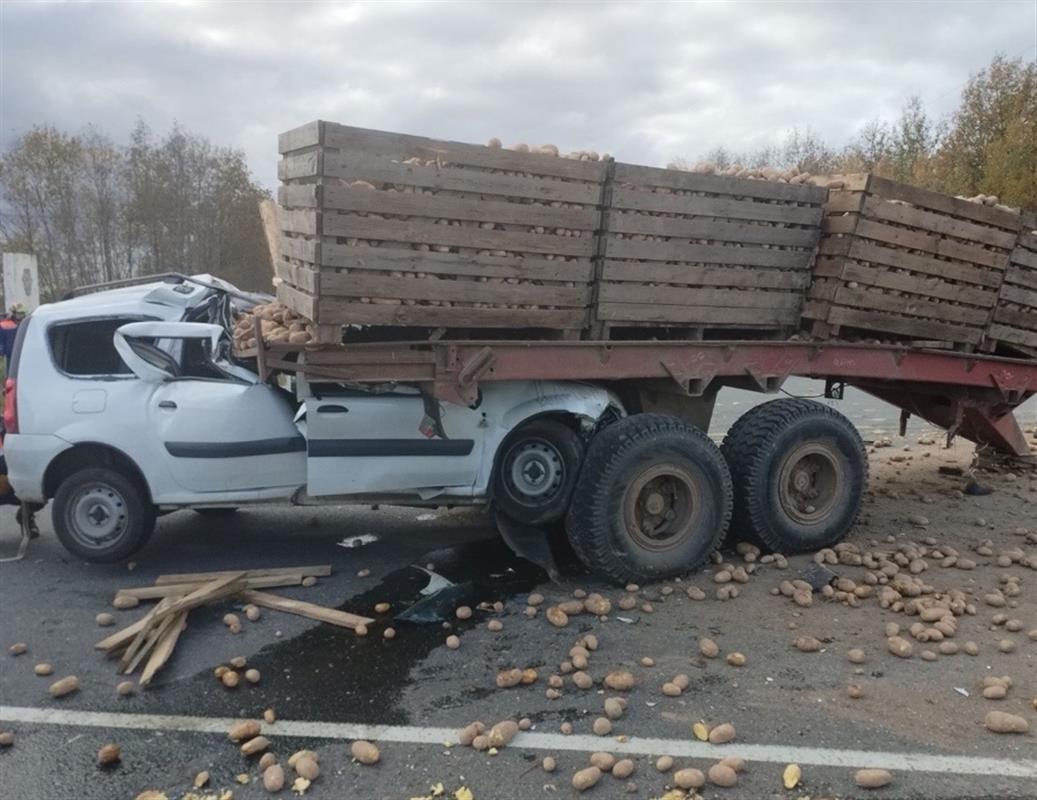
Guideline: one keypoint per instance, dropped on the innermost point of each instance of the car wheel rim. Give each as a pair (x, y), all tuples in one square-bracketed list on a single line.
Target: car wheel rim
[(98, 516), (537, 470), (660, 507), (809, 481)]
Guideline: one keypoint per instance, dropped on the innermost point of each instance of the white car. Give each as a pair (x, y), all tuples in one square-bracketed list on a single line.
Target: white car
[(125, 402)]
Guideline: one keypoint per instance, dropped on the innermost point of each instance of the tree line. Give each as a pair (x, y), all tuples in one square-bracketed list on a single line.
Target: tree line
[(93, 210), (987, 146)]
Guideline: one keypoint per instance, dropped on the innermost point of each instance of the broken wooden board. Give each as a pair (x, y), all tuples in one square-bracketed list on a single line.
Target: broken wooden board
[(319, 571), (167, 589), (164, 648), (310, 610)]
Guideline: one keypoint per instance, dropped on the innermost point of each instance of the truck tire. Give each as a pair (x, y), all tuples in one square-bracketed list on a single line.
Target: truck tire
[(653, 500), (799, 470), (102, 515), (536, 472)]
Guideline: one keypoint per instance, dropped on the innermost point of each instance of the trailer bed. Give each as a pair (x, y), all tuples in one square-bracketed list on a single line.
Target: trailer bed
[(971, 395)]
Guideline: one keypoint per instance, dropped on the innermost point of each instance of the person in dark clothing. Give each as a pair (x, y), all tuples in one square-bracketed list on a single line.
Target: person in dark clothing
[(9, 329)]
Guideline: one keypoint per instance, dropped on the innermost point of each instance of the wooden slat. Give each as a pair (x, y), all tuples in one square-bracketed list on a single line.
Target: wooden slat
[(717, 184), (345, 198), (299, 302), (130, 661), (1024, 257), (841, 201), (163, 649), (712, 230), (885, 211), (910, 306), (863, 250), (919, 240), (299, 248), (358, 284), (1016, 294), (299, 166), (340, 312), (905, 326), (166, 589), (308, 610), (300, 277), (296, 220), (374, 169), (151, 619), (314, 571), (697, 315), (124, 636), (669, 295), (633, 271), (385, 259), (1005, 333), (935, 201), (453, 236), (1019, 276), (709, 254), (916, 284), (1017, 318), (719, 207), (307, 135), (844, 223)]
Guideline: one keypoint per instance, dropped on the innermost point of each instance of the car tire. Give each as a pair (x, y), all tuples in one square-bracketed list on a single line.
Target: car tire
[(538, 467), (101, 514), (799, 470), (653, 500)]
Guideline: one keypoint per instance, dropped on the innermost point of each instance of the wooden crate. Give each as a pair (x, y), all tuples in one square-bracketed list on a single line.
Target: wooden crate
[(1014, 326), (396, 230), (902, 263), (686, 250)]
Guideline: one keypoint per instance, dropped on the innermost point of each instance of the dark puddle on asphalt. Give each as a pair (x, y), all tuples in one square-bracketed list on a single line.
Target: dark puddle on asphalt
[(330, 674)]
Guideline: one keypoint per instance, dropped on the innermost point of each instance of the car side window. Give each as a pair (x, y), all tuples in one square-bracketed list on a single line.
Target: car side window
[(86, 348)]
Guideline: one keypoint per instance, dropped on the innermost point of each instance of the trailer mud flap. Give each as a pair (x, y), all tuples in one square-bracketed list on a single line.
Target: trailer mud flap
[(530, 543)]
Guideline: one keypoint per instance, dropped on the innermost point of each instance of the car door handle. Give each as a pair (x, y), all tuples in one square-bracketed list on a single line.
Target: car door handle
[(332, 410), (167, 404)]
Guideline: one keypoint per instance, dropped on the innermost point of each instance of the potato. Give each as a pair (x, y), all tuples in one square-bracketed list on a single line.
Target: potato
[(230, 620), (1002, 722), (623, 769), (671, 690), (602, 726), (269, 716), (243, 731), (306, 767), (689, 778), (503, 732), (6, 738), (252, 612), (872, 778), (614, 709), (996, 692), (557, 617), (807, 644), (525, 724), (709, 648), (681, 681), (598, 605), (603, 761), (535, 599), (464, 612), (360, 630), (509, 678), (108, 754), (548, 764), (722, 775), (230, 679), (970, 648), (586, 778), (294, 757), (43, 668), (469, 732), (664, 763), (266, 761), (791, 777), (201, 779), (255, 745), (736, 659), (856, 656), (310, 580), (494, 626), (64, 686), (722, 734), (273, 778), (734, 762), (899, 646), (125, 601), (238, 662), (452, 642), (701, 731), (104, 619), (365, 752), (855, 691), (571, 607), (252, 675), (529, 676), (125, 688), (620, 680)]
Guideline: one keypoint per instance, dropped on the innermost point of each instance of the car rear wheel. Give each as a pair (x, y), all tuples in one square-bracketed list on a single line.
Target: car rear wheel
[(100, 514), (653, 500)]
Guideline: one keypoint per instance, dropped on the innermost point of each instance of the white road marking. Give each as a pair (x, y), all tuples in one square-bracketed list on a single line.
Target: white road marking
[(778, 754)]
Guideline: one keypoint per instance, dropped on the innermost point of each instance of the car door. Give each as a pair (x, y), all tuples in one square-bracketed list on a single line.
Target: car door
[(359, 443), (220, 428)]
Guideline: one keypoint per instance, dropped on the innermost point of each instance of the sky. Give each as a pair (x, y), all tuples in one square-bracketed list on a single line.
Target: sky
[(646, 82)]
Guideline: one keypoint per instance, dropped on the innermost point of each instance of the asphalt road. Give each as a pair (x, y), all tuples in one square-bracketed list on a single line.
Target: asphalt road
[(786, 705)]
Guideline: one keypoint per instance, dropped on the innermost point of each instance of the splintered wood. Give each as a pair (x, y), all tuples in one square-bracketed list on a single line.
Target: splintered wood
[(150, 640), (1014, 326)]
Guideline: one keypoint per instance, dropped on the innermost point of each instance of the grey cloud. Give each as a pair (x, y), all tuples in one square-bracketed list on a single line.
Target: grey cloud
[(644, 81)]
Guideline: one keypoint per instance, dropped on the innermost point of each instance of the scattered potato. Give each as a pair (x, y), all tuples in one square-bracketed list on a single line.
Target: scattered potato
[(899, 646), (791, 777), (307, 767), (269, 716), (125, 601), (201, 779), (18, 648), (104, 619), (602, 726), (872, 778), (503, 732), (252, 675), (557, 617), (6, 738), (709, 648), (701, 731), (620, 680), (494, 625), (664, 763), (452, 642), (603, 761), (108, 754), (257, 744), (1003, 722), (722, 775), (586, 778), (252, 612), (469, 732), (43, 668), (736, 659), (273, 778), (623, 769), (125, 688), (266, 761), (614, 708), (64, 686), (722, 734), (548, 764), (230, 679), (689, 778), (243, 731), (807, 644), (365, 752)]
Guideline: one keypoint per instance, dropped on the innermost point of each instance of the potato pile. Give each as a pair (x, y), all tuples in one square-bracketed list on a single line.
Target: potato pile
[(278, 324), (762, 174)]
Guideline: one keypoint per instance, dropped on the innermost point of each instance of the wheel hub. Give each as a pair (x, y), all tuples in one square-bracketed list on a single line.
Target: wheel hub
[(98, 515), (537, 469), (660, 506), (809, 482)]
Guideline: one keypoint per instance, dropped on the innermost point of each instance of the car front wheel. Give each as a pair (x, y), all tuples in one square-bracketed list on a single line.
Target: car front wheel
[(100, 514)]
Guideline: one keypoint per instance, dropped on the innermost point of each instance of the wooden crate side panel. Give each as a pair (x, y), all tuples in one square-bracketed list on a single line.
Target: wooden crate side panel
[(709, 254), (719, 207), (733, 277), (300, 138), (632, 174), (922, 286), (300, 302), (334, 311), (878, 253), (713, 316), (1005, 333), (1016, 317), (891, 323), (711, 230), (884, 210), (910, 306), (942, 203), (705, 297)]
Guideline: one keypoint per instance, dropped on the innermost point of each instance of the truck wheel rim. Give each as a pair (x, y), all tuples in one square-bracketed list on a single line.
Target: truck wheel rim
[(660, 506), (809, 481), (537, 470), (98, 516)]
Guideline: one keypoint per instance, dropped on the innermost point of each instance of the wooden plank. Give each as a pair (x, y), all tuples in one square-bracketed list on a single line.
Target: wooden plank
[(299, 302), (374, 169), (167, 589), (151, 619), (712, 230), (841, 201), (734, 277), (717, 184), (216, 589), (919, 240), (386, 259), (724, 298), (124, 636), (383, 143), (307, 135), (345, 198), (130, 662), (342, 312), (1017, 294), (883, 323), (303, 609), (1024, 257), (1017, 318), (883, 210), (299, 195), (845, 223), (269, 216), (300, 166), (299, 248), (164, 648), (863, 250), (314, 571), (1005, 333), (359, 284), (299, 220), (910, 306), (720, 207), (709, 254), (697, 315), (935, 201), (300, 277), (1019, 276), (916, 284), (453, 236)]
